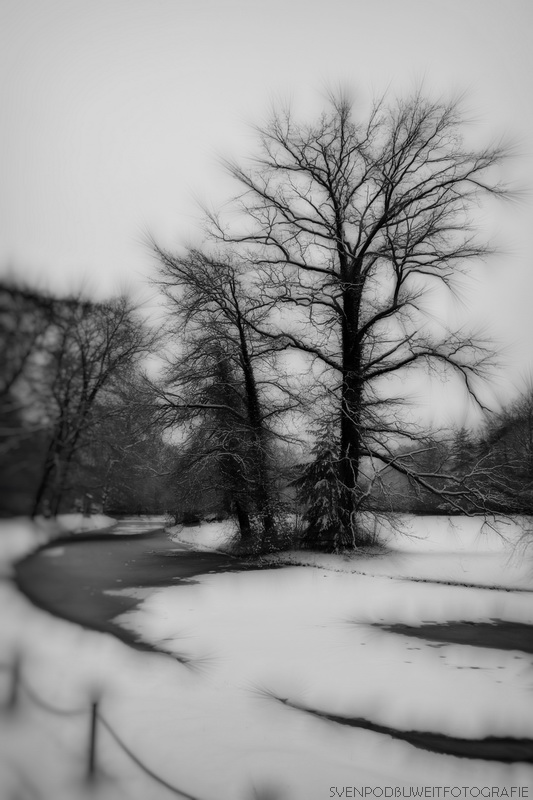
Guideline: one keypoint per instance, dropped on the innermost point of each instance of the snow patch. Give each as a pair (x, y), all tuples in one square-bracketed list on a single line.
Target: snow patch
[(18, 537), (78, 523), (457, 534), (206, 536)]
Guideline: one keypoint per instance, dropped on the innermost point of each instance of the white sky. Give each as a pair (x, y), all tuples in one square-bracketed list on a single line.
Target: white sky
[(115, 112)]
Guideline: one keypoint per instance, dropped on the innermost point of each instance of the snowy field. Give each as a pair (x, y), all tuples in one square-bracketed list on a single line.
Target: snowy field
[(227, 719)]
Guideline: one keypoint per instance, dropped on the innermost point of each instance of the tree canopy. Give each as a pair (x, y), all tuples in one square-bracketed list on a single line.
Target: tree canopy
[(344, 226)]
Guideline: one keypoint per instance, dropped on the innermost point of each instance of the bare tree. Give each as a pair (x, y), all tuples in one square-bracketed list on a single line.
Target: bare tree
[(26, 317), (124, 461), (220, 465), (347, 226), (224, 384), (92, 347)]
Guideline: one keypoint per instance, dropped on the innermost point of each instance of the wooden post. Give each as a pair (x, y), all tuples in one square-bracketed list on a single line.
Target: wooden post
[(91, 766), (15, 680)]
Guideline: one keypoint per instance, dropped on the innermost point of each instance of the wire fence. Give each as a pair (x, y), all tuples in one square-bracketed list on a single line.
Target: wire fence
[(18, 684)]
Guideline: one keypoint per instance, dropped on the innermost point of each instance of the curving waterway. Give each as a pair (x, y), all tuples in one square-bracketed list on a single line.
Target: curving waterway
[(77, 578)]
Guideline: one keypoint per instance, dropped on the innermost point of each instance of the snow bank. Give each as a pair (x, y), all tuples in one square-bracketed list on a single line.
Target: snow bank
[(458, 534), (475, 551), (401, 532), (138, 524), (206, 536), (78, 523), (19, 536), (503, 570)]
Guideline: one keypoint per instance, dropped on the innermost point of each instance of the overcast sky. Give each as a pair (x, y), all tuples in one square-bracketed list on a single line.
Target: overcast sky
[(115, 113)]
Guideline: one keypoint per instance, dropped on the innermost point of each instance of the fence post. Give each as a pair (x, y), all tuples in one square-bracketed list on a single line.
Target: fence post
[(15, 682), (91, 766)]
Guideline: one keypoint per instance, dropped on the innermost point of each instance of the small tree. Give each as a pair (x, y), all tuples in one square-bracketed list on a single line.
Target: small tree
[(319, 495), (90, 347), (506, 447)]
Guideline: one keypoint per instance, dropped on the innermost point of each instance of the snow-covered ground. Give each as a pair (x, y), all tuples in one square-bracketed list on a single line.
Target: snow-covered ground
[(470, 550), (216, 727), (78, 523), (207, 536)]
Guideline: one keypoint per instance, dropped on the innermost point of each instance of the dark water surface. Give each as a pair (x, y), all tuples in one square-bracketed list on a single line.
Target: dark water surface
[(499, 634), (70, 578)]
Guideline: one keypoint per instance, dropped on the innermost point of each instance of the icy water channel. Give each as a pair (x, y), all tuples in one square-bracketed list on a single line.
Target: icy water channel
[(76, 578)]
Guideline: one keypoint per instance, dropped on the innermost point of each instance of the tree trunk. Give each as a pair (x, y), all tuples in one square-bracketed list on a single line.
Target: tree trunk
[(48, 468), (262, 492), (350, 427), (243, 519)]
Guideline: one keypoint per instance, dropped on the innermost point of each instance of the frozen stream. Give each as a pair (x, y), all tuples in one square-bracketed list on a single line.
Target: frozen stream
[(79, 579)]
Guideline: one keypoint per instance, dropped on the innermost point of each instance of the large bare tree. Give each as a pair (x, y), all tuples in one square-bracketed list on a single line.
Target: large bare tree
[(348, 225)]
